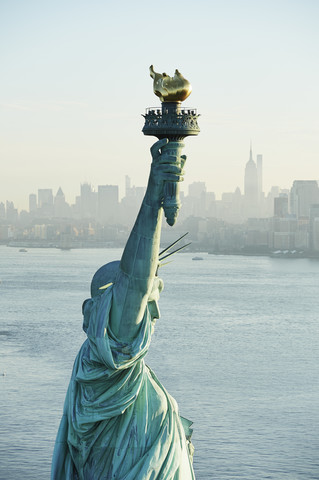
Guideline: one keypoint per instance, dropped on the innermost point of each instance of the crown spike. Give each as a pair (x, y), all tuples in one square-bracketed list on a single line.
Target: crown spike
[(172, 244), (177, 250)]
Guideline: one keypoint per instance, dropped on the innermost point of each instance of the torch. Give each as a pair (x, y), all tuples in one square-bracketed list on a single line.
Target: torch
[(172, 122)]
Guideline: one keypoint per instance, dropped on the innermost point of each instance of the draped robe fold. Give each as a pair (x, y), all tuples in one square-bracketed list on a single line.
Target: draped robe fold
[(118, 421)]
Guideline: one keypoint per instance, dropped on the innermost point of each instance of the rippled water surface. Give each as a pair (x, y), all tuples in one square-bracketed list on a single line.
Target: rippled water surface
[(237, 345)]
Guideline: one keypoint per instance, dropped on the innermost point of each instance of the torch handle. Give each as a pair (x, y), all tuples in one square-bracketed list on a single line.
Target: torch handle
[(171, 202)]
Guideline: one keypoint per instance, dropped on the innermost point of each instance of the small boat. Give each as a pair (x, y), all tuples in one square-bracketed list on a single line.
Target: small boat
[(23, 250), (197, 258)]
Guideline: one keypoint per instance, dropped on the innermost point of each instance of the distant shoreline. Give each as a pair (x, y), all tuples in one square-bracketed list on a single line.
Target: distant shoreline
[(288, 254)]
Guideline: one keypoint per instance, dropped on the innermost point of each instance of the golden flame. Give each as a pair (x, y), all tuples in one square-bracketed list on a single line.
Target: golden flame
[(170, 89)]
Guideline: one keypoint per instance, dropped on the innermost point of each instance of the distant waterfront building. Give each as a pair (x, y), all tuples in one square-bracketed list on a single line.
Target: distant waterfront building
[(4, 233), (210, 204), (251, 180), (45, 197), (196, 189), (127, 186), (283, 233), (260, 176), (133, 192), (273, 193), (40, 231), (61, 207), (11, 212), (130, 203), (2, 211), (88, 202), (108, 204), (315, 235), (45, 202), (303, 194), (195, 203), (251, 192), (281, 206), (230, 207), (33, 205), (314, 227)]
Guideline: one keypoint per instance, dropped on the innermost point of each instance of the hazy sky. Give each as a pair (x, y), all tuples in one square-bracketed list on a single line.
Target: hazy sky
[(74, 82)]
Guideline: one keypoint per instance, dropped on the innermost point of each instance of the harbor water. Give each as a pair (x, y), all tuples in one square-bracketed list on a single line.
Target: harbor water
[(237, 345)]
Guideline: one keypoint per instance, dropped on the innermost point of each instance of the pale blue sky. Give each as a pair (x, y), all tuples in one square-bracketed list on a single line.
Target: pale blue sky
[(74, 82)]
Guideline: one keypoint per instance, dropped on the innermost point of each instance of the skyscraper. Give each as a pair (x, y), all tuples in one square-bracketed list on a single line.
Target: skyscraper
[(45, 197), (281, 206), (11, 212), (61, 208), (251, 197), (314, 227), (196, 201), (88, 201), (127, 186), (196, 189), (2, 210), (32, 203), (303, 194), (45, 201), (260, 176), (108, 202)]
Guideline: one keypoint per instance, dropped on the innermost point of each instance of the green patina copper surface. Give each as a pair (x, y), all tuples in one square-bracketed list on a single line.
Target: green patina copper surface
[(173, 122), (118, 421)]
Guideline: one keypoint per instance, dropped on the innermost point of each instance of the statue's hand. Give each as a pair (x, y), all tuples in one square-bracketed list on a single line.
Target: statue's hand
[(164, 168)]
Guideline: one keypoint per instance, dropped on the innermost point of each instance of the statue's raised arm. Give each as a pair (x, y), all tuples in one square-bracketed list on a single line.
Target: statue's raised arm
[(135, 279), (118, 420)]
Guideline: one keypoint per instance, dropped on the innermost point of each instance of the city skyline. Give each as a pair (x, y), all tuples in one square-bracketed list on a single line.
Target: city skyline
[(75, 84), (185, 186), (286, 222), (241, 221), (101, 203)]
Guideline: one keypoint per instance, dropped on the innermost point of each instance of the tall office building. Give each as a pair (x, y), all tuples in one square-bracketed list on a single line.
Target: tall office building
[(88, 201), (2, 211), (11, 212), (127, 186), (133, 191), (196, 189), (32, 203), (260, 176), (108, 203), (303, 194), (61, 207), (45, 197), (314, 227), (196, 200), (314, 239), (251, 197), (251, 179), (45, 202), (130, 203), (281, 206)]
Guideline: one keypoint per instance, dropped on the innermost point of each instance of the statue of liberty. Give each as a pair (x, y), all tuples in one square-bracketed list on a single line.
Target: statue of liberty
[(118, 421)]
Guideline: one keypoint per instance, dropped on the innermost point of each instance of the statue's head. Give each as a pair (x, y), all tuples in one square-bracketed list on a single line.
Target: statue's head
[(104, 277)]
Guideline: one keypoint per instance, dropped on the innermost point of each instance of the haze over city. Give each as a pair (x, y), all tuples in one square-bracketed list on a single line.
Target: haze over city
[(75, 82)]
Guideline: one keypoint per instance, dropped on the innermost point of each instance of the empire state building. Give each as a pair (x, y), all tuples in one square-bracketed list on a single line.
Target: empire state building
[(251, 190)]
